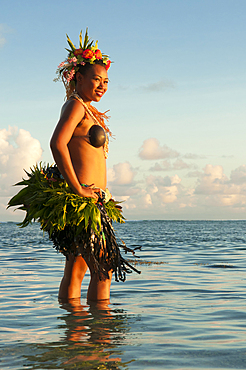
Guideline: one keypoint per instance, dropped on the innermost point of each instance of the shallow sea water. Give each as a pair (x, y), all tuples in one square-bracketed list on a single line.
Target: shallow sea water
[(185, 311)]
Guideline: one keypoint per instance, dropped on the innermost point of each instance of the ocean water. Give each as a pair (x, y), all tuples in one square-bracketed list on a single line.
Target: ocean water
[(187, 309)]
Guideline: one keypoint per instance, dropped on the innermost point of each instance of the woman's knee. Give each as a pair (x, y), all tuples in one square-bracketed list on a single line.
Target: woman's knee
[(75, 267)]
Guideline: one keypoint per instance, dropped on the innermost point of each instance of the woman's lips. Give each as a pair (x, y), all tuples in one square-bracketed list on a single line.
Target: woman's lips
[(99, 93)]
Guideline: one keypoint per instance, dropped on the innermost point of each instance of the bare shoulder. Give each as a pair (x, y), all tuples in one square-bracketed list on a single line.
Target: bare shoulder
[(72, 114), (72, 107)]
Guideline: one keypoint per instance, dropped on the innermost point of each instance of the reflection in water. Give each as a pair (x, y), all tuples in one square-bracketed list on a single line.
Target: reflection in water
[(187, 313), (92, 336)]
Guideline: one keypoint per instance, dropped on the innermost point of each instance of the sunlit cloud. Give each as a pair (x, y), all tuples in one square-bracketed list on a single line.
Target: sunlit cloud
[(227, 156), (195, 174), (162, 196), (121, 174), (18, 151), (163, 166), (121, 179), (144, 194), (193, 156), (158, 191), (219, 190), (151, 149), (3, 30), (157, 86), (238, 176), (212, 180), (2, 39), (179, 164)]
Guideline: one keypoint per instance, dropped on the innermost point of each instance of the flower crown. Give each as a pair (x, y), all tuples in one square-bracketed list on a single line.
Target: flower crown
[(86, 53)]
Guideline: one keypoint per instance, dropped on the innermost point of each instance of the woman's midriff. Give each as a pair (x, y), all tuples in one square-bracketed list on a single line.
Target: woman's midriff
[(89, 163)]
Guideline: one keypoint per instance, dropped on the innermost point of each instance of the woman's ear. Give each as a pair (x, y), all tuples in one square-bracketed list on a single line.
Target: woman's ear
[(79, 77)]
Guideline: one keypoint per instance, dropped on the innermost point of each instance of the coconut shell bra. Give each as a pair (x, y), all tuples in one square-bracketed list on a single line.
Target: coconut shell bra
[(96, 136)]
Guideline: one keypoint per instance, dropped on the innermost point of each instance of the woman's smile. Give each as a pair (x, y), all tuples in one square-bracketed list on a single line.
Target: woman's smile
[(93, 85)]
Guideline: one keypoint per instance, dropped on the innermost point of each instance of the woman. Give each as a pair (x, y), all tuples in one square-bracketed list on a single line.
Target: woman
[(71, 202), (79, 147)]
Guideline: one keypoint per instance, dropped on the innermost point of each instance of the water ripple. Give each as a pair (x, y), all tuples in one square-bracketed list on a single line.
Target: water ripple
[(186, 313)]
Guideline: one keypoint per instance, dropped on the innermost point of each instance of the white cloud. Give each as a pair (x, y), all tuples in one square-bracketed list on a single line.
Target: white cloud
[(149, 193), (121, 174), (151, 149), (179, 164), (163, 166), (175, 180), (2, 40), (158, 86), (214, 196), (238, 176), (193, 156), (194, 174), (156, 193), (121, 180), (212, 180), (157, 181), (139, 201), (163, 190), (170, 194), (218, 190), (147, 199), (3, 29), (18, 151)]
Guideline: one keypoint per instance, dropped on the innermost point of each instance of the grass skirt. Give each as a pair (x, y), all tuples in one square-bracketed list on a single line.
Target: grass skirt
[(75, 225)]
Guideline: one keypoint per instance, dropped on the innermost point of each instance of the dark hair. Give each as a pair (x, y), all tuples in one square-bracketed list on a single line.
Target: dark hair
[(83, 69)]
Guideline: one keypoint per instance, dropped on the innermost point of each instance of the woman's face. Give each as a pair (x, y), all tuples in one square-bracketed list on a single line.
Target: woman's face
[(93, 85)]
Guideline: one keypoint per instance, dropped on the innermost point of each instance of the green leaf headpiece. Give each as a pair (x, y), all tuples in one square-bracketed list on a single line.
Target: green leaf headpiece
[(86, 53)]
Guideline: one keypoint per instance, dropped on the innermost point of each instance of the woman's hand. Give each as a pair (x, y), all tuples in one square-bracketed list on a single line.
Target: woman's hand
[(90, 191)]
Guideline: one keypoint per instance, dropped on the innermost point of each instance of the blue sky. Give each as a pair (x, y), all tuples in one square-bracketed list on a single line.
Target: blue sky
[(176, 98)]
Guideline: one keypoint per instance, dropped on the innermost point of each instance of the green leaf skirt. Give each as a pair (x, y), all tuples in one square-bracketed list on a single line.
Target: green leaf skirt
[(75, 225)]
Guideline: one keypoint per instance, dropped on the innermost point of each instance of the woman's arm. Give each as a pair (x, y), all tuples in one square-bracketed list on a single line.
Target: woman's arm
[(71, 116)]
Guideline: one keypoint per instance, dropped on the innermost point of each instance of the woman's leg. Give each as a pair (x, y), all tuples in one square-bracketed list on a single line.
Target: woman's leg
[(99, 289), (74, 272)]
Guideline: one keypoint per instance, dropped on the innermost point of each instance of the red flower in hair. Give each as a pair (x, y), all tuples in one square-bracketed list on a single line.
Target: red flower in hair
[(87, 54), (98, 54), (78, 52), (108, 64)]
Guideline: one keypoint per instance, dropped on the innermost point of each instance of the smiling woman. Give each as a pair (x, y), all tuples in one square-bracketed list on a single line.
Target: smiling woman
[(80, 146), (92, 78), (70, 200)]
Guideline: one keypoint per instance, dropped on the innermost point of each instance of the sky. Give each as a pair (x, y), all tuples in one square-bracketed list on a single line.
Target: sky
[(176, 98)]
